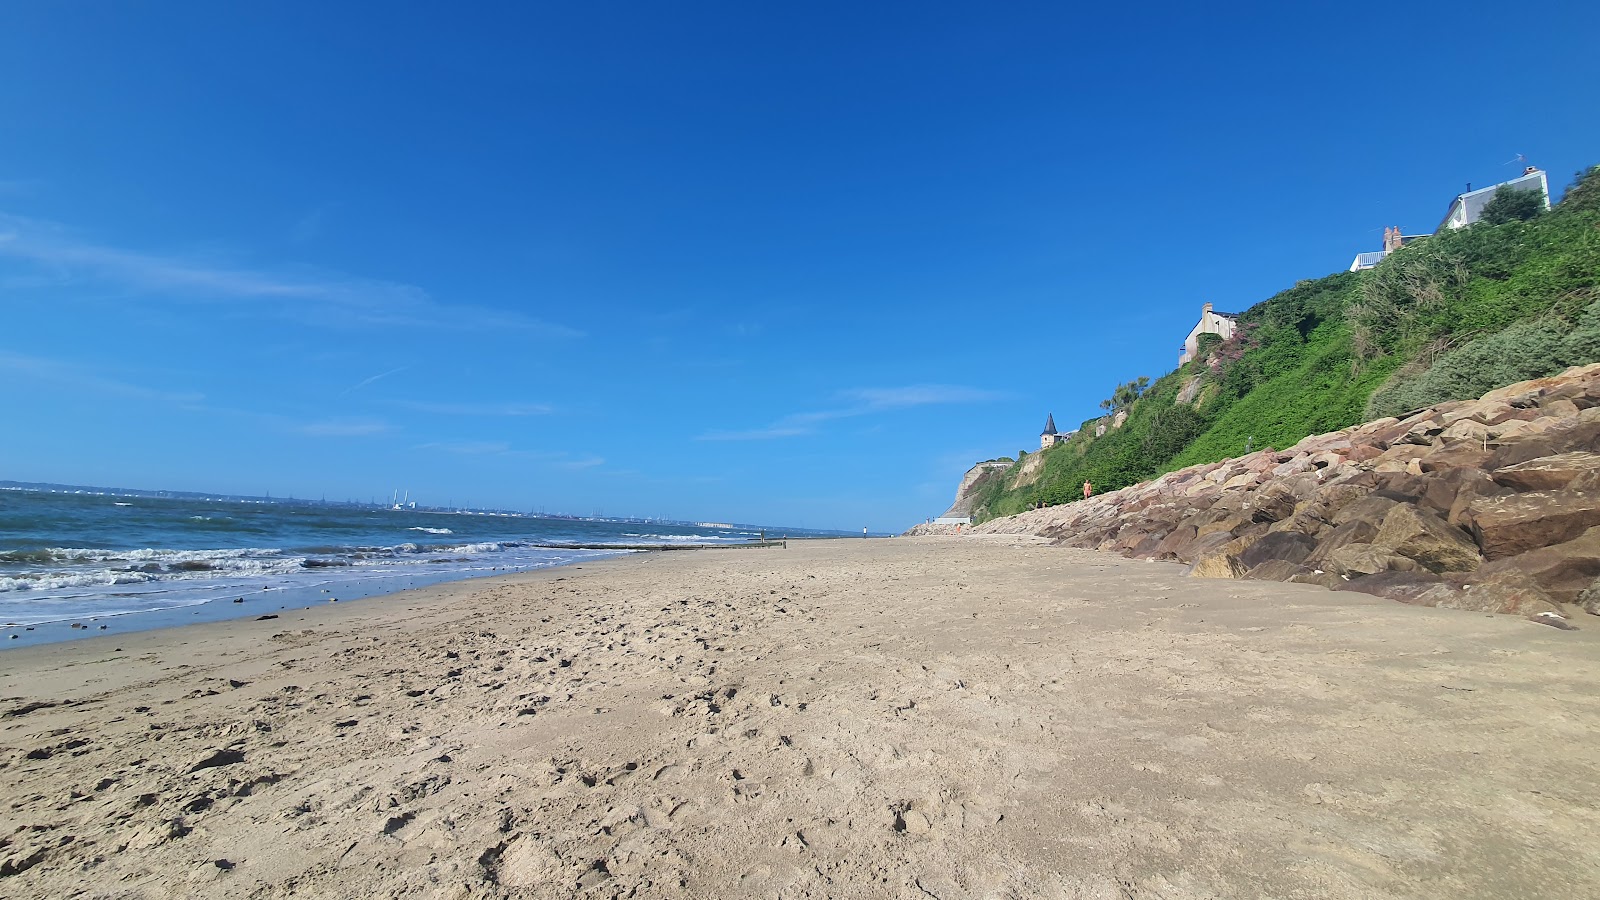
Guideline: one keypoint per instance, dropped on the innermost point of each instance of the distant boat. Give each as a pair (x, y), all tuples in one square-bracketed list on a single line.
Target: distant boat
[(405, 504)]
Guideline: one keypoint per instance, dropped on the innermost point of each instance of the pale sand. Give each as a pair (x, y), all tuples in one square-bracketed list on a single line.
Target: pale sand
[(944, 717)]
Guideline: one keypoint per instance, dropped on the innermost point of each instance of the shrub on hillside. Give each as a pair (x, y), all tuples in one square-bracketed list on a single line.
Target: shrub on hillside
[(1525, 350), (1584, 191), (1512, 205)]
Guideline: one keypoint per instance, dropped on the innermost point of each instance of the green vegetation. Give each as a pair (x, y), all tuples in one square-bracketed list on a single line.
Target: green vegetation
[(1449, 317), (1511, 205)]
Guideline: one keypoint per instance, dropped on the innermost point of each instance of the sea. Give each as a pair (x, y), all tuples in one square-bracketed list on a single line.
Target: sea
[(92, 562)]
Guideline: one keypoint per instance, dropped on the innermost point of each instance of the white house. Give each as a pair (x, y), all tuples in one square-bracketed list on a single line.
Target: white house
[(1211, 322), (1468, 208)]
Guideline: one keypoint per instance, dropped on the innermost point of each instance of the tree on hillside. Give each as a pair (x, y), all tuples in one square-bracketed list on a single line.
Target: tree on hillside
[(1512, 205), (1125, 394)]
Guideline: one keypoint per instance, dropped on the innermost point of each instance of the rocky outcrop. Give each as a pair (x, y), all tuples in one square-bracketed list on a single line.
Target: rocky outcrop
[(975, 478), (1487, 505)]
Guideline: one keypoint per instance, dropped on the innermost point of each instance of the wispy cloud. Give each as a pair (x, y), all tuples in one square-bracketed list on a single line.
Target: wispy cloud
[(322, 297), (469, 448), (309, 226), (371, 379), (859, 402), (586, 462), (478, 409), (86, 380), (344, 428)]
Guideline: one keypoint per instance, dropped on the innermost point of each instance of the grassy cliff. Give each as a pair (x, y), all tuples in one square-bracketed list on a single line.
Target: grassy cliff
[(1449, 317)]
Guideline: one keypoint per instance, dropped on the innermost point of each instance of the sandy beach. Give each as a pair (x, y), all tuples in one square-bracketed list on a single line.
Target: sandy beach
[(915, 717)]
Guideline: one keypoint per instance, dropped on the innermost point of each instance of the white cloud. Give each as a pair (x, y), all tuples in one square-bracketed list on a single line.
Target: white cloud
[(344, 428), (321, 297), (862, 402), (469, 448), (479, 409), (371, 379), (86, 380)]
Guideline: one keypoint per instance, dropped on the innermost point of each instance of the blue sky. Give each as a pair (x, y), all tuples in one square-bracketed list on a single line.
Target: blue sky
[(794, 264)]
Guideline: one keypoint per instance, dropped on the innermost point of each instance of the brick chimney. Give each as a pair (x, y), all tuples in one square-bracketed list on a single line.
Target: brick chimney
[(1391, 239)]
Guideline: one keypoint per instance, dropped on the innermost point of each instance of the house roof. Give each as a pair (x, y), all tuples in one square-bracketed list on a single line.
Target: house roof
[(1049, 424), (1473, 202)]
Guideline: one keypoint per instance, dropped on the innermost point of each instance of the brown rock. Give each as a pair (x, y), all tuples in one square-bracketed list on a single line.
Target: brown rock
[(1472, 485), (1522, 449), (1459, 456), (1549, 473), (1402, 587), (1421, 536), (1559, 408), (1466, 430), (1359, 531), (1562, 570), (1326, 579), (1288, 546), (1502, 592), (1371, 508), (1173, 545), (1589, 598), (1279, 499), (1302, 522), (1277, 570), (1517, 523), (1228, 524), (1218, 564), (1366, 559)]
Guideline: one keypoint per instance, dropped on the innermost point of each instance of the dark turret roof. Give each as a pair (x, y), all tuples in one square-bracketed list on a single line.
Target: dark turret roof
[(1049, 424)]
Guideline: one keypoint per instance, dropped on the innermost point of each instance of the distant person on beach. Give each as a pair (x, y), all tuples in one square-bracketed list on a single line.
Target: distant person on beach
[(1088, 489)]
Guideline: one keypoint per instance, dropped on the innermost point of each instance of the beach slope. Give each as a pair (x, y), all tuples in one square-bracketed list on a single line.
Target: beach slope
[(927, 717)]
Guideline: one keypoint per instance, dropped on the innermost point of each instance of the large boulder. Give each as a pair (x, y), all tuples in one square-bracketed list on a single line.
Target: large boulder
[(1176, 544), (1371, 508), (1403, 587), (1359, 531), (1421, 536), (1549, 473), (1517, 523), (1562, 570), (1353, 560), (1289, 546), (1277, 570), (1501, 592)]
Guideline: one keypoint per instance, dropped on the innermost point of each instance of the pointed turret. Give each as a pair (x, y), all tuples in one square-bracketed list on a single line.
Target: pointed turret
[(1049, 424)]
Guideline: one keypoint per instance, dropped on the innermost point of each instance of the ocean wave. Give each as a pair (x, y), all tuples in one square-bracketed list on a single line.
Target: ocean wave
[(29, 581), (431, 530), (94, 554), (675, 537), (87, 567)]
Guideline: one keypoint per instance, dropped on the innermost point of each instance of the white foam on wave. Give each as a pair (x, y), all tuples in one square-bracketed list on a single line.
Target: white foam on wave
[(431, 530), (482, 547)]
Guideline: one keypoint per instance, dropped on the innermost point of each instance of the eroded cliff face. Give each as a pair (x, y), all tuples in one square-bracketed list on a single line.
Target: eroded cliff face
[(977, 475), (1490, 505)]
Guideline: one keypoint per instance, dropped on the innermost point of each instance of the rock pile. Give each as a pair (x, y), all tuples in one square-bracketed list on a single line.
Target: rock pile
[(1489, 505)]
